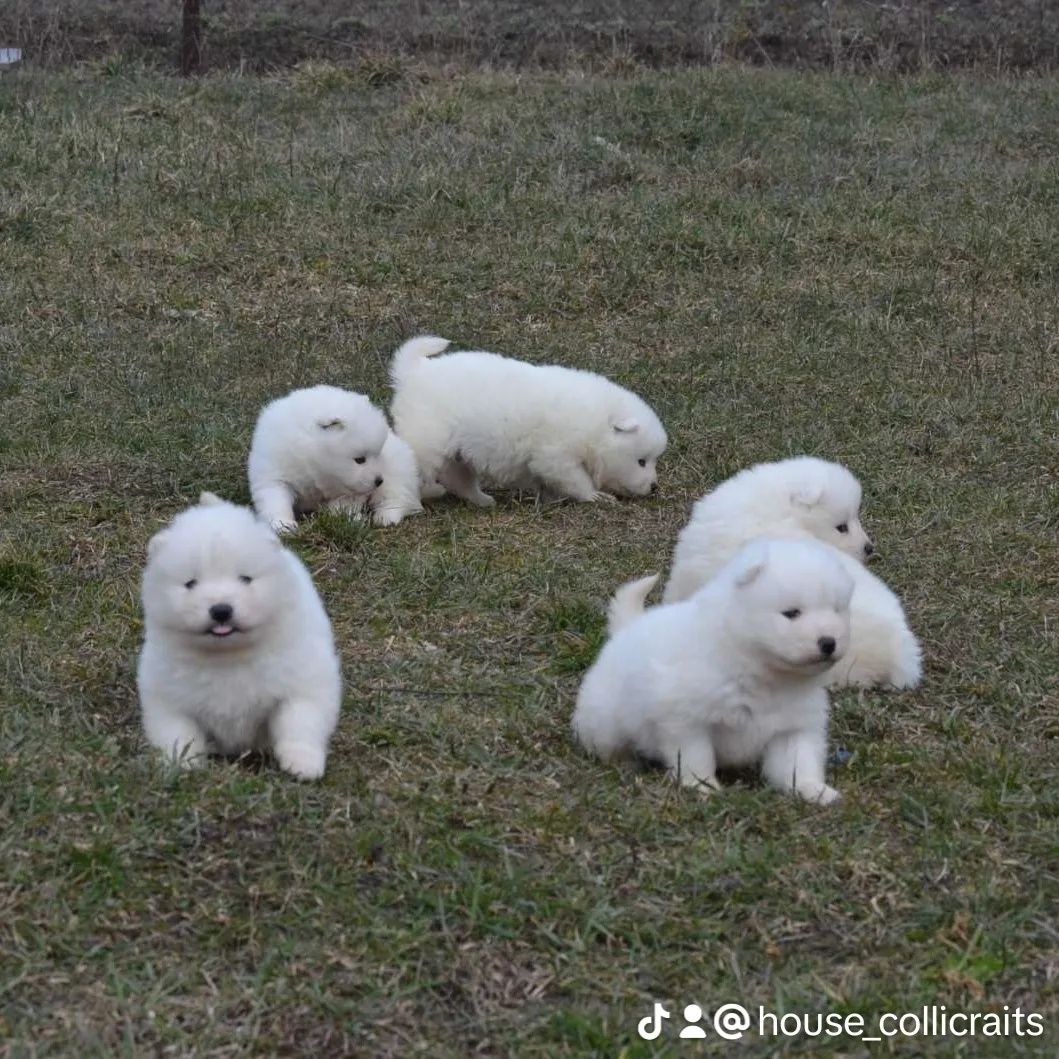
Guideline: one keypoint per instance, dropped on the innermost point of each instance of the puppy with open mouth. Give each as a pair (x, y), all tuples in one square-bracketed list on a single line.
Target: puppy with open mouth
[(733, 676), (238, 652)]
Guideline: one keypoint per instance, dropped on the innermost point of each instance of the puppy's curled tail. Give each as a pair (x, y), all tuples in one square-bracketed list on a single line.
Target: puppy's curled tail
[(412, 352), (628, 603)]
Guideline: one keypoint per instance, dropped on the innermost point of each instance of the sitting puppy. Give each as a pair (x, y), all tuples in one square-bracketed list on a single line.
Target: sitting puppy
[(326, 447), (238, 652), (732, 676), (803, 497), (474, 416)]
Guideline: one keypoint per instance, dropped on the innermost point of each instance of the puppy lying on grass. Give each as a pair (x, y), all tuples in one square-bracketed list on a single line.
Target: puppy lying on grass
[(732, 676), (473, 417), (327, 447), (804, 498), (238, 653)]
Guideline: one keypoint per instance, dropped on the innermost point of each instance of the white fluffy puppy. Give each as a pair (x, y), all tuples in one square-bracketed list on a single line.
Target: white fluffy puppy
[(327, 447), (803, 497), (730, 677), (479, 416), (238, 652)]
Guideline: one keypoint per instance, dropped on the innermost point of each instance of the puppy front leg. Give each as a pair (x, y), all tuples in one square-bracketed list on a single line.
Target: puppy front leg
[(274, 504), (795, 762), (395, 500), (459, 477), (430, 486), (692, 763), (566, 476), (300, 730), (431, 489), (180, 739)]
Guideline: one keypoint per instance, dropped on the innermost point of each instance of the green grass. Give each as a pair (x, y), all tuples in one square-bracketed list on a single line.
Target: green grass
[(780, 263)]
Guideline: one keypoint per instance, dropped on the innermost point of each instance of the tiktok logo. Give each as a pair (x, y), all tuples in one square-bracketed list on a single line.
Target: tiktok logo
[(650, 1028)]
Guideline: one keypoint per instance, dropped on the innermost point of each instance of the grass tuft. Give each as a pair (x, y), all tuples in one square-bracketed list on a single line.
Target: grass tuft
[(21, 578), (334, 530), (579, 630)]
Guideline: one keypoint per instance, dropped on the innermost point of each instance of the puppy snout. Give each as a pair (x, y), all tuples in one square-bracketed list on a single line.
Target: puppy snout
[(869, 549), (826, 645), (221, 612), (378, 481)]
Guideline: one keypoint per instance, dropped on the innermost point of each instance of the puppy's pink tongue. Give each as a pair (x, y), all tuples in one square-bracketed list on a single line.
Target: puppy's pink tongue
[(221, 630)]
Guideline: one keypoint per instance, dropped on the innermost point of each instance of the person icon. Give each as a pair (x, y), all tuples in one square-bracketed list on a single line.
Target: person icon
[(692, 1013)]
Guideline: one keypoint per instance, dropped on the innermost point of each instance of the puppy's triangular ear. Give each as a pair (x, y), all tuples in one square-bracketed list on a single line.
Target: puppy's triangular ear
[(330, 424), (807, 495), (749, 574), (628, 425), (156, 543), (207, 499), (754, 560)]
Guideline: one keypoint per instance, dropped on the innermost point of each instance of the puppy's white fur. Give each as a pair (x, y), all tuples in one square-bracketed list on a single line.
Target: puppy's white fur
[(804, 498), (474, 416), (265, 675), (730, 677), (305, 452)]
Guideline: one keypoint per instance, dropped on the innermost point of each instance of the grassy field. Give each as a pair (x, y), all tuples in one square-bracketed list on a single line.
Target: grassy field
[(781, 263)]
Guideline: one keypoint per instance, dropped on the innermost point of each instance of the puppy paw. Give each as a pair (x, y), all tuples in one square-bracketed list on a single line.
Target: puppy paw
[(819, 794), (187, 759), (483, 500), (387, 516), (903, 680), (601, 497), (184, 753), (909, 670), (705, 787), (301, 759), (282, 525)]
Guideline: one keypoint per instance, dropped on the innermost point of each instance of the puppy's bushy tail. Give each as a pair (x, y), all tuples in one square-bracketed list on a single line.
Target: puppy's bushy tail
[(628, 603), (412, 352)]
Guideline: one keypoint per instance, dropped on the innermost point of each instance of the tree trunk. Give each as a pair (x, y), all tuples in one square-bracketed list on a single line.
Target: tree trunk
[(191, 39)]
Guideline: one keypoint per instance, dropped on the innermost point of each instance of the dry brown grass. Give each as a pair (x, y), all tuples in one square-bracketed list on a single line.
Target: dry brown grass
[(616, 36)]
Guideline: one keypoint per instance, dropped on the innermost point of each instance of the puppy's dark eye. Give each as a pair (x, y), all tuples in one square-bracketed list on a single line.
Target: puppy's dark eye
[(189, 585), (359, 459), (843, 527), (245, 578), (791, 614), (642, 463)]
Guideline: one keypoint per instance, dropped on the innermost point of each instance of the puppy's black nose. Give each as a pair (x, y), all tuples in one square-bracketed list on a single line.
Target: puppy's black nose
[(654, 487), (378, 481), (869, 548), (826, 645), (220, 612)]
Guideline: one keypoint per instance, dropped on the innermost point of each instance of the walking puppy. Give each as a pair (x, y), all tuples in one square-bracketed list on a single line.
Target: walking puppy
[(803, 498), (478, 416), (732, 676), (238, 652), (327, 447)]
